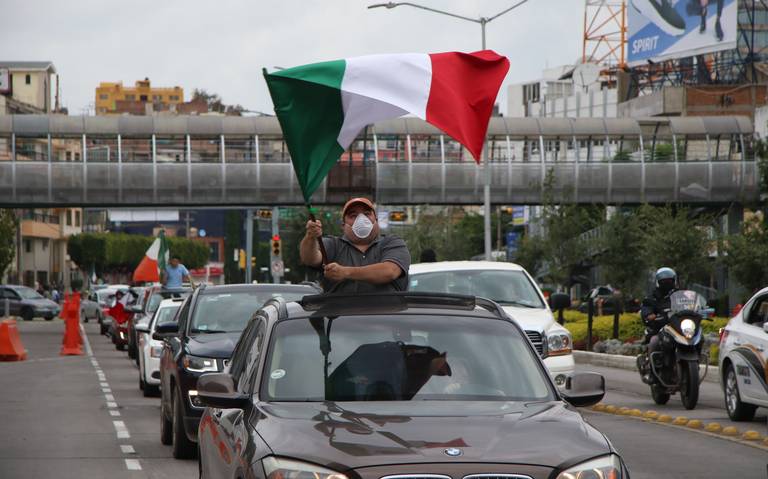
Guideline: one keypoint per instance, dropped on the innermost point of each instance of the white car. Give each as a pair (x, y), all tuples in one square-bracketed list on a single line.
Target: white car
[(151, 349), (743, 358), (512, 287)]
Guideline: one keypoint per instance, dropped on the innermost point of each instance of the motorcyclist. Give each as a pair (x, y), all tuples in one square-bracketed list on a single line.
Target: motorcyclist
[(653, 311)]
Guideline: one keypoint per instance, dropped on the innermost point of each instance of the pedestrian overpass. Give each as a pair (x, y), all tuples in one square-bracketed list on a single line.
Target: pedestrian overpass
[(57, 160)]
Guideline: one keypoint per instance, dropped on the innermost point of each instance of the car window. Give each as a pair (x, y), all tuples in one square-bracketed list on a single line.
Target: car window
[(230, 311), (240, 354), (28, 293), (183, 315), (253, 355), (399, 358), (604, 292), (165, 315), (502, 286), (758, 313)]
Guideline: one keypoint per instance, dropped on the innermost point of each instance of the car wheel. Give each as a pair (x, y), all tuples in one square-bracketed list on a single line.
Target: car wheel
[(737, 410), (27, 314), (48, 318), (102, 329), (183, 448), (119, 346), (150, 390), (166, 428)]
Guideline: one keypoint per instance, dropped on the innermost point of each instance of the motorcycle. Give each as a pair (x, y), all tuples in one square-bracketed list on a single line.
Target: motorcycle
[(675, 366)]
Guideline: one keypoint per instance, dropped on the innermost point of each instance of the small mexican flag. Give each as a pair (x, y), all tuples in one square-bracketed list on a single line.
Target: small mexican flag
[(154, 261), (323, 106)]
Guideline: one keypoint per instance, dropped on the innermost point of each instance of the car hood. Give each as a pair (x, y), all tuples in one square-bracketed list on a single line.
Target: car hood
[(531, 319), (352, 435), (217, 345)]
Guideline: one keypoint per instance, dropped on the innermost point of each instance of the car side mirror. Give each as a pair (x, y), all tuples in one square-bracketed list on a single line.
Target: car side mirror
[(558, 301), (165, 330), (141, 327), (218, 390), (584, 389)]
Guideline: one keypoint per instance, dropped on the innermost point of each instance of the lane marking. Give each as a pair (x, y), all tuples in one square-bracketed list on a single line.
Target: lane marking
[(127, 449), (133, 464), (88, 349), (111, 404), (104, 385), (122, 431), (106, 390), (114, 412), (109, 397)]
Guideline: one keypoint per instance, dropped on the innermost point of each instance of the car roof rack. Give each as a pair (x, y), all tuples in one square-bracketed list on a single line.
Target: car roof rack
[(398, 300)]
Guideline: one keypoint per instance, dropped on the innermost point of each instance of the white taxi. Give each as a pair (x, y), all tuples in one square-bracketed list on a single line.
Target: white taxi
[(743, 359), (510, 286), (151, 349)]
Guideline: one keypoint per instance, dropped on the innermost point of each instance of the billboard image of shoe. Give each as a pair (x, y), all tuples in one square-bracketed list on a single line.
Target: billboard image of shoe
[(666, 29)]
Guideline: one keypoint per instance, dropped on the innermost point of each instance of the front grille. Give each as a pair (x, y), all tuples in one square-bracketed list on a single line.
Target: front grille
[(417, 476), (536, 339), (497, 476)]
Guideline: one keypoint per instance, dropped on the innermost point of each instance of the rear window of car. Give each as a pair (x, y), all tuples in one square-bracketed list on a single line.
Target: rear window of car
[(401, 358), (157, 297), (166, 315)]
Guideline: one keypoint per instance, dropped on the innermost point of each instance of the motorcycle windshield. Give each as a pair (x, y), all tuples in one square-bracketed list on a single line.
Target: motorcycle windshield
[(685, 300)]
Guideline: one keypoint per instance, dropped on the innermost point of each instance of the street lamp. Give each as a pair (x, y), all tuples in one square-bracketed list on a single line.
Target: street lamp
[(482, 21)]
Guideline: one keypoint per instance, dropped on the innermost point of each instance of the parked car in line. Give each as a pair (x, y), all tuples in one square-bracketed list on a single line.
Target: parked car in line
[(209, 323), (150, 349), (607, 295), (512, 287), (407, 385), (743, 359), (147, 302), (27, 303), (90, 308)]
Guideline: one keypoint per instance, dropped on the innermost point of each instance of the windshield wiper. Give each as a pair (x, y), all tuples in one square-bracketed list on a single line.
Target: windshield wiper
[(207, 331), (514, 303)]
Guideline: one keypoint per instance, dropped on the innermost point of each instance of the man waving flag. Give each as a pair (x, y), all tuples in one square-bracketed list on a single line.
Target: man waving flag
[(323, 106)]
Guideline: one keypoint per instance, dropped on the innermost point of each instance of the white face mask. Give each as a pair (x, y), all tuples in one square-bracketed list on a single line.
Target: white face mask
[(362, 226)]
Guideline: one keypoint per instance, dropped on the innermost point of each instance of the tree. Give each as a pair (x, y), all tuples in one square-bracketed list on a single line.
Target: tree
[(8, 226), (215, 103), (747, 255), (622, 246), (676, 238)]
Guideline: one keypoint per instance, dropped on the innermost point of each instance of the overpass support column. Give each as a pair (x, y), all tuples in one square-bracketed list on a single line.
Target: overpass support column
[(734, 220)]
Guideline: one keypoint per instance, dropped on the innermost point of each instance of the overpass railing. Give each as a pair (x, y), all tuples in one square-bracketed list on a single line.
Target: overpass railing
[(54, 160)]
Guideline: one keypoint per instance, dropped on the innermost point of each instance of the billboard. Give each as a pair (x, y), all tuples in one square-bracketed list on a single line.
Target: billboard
[(665, 29)]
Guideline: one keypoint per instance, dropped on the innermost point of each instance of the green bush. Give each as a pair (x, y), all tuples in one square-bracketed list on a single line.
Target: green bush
[(630, 327)]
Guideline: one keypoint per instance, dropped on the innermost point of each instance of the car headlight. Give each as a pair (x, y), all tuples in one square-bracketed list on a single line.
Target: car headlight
[(606, 467), (155, 351), (688, 327), (199, 365), (559, 344), (279, 468)]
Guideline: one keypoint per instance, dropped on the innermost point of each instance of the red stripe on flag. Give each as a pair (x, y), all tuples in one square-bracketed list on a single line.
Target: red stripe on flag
[(464, 88)]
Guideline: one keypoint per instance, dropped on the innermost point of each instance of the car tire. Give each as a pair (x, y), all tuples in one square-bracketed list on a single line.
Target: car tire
[(183, 448), (166, 426), (27, 314), (737, 410), (48, 318), (150, 390), (102, 329), (659, 394), (119, 347)]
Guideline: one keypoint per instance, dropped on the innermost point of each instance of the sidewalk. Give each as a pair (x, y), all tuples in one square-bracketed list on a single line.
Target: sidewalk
[(628, 363)]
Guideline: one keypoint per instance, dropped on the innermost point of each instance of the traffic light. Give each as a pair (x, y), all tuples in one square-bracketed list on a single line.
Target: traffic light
[(241, 259), (276, 245), (253, 261)]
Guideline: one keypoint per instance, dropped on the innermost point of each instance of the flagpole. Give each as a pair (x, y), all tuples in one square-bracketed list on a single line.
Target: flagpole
[(323, 253)]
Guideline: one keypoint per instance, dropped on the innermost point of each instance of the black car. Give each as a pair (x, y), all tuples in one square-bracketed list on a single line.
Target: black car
[(400, 385), (147, 302), (209, 324)]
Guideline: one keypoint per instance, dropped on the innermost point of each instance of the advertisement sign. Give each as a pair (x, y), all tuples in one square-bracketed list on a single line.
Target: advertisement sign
[(666, 29), (519, 215)]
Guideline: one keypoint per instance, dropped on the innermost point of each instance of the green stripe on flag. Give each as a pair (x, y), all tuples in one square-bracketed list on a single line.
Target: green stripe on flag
[(308, 105), (163, 254)]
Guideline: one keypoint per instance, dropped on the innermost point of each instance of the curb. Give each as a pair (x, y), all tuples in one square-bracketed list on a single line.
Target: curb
[(628, 363), (714, 429)]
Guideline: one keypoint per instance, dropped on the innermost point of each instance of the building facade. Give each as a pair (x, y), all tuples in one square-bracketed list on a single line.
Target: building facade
[(28, 87), (114, 98)]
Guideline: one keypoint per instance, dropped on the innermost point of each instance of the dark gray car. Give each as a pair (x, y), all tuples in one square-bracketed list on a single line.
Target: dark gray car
[(27, 303)]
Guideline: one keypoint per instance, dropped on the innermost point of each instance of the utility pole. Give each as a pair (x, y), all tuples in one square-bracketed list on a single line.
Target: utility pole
[(248, 245), (276, 265)]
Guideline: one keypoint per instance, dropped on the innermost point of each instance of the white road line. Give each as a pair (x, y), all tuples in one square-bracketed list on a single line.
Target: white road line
[(111, 404), (109, 397), (127, 449), (88, 349), (106, 390), (122, 431), (114, 412), (104, 385), (133, 464)]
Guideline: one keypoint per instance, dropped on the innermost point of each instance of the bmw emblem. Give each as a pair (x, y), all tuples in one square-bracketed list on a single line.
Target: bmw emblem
[(453, 452)]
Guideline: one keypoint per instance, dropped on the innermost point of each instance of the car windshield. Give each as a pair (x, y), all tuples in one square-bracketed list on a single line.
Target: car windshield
[(157, 297), (166, 315), (104, 295), (230, 312), (401, 358), (508, 288), (28, 293)]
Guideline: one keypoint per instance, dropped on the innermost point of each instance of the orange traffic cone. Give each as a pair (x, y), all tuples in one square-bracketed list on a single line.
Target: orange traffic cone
[(11, 348), (72, 339)]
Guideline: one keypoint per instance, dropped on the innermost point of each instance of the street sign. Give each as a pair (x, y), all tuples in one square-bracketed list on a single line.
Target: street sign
[(278, 268)]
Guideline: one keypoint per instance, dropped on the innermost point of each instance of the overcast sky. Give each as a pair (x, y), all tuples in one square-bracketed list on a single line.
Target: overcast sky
[(222, 45)]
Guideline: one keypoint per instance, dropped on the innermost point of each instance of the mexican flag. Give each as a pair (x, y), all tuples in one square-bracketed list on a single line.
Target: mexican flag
[(154, 261), (323, 106)]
